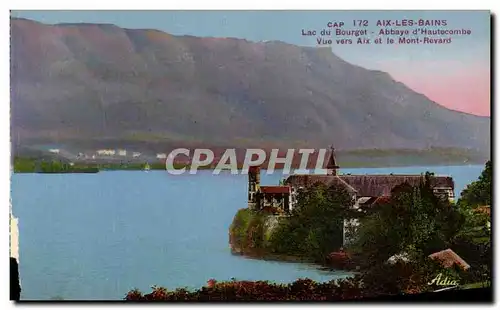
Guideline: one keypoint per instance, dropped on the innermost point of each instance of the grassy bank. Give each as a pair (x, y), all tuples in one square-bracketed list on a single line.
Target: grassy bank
[(262, 235), (50, 165), (250, 236), (28, 165), (247, 233)]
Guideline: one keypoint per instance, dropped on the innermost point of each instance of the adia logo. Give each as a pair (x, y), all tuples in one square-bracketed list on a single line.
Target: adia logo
[(440, 280)]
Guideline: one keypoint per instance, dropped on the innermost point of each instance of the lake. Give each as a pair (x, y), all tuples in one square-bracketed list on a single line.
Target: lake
[(97, 236)]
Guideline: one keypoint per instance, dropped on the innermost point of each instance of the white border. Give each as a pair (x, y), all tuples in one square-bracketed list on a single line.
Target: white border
[(145, 5)]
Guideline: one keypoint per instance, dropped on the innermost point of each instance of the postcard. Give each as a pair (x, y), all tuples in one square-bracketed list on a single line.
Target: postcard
[(250, 155)]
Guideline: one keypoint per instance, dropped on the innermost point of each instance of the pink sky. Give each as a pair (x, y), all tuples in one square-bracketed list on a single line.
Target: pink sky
[(456, 86)]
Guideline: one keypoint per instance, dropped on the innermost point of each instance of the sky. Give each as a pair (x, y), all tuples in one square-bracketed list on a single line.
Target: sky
[(455, 74)]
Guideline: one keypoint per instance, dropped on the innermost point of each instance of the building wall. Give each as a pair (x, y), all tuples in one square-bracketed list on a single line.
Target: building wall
[(253, 189), (293, 197), (106, 152), (252, 206), (271, 200), (350, 225), (14, 238), (445, 191)]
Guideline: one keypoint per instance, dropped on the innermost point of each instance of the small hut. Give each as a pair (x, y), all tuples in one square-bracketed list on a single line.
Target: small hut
[(448, 258)]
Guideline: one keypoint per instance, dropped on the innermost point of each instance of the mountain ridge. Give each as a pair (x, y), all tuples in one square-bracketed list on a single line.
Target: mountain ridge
[(117, 82)]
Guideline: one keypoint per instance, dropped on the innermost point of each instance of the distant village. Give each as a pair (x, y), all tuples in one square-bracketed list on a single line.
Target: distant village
[(112, 155), (116, 155)]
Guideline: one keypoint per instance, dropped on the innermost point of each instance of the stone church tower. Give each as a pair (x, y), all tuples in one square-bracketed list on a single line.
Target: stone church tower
[(331, 166), (253, 186)]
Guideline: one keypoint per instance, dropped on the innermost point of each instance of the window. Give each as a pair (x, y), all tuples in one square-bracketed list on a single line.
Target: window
[(444, 192)]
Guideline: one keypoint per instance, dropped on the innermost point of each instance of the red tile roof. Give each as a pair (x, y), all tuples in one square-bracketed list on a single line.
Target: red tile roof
[(309, 180), (254, 169), (275, 189), (483, 209), (381, 200), (382, 185), (448, 258), (368, 185)]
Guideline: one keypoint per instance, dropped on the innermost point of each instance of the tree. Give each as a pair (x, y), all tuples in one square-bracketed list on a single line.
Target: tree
[(473, 241), (315, 227), (417, 222), (413, 221), (478, 193)]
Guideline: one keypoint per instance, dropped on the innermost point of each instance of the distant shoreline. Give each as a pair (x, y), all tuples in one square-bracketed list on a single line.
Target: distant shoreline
[(361, 158), (355, 159), (344, 166), (282, 258)]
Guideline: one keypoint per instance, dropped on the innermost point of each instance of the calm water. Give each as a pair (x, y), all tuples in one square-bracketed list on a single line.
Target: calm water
[(96, 236)]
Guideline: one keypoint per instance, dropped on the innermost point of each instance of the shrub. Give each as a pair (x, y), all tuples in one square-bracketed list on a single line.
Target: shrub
[(340, 260), (271, 210), (300, 290)]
